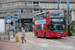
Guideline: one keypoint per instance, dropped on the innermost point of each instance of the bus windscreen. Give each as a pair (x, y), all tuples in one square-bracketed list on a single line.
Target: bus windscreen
[(57, 27), (56, 14)]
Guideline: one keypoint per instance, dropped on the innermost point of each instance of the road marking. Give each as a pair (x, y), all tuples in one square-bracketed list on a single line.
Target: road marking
[(35, 44), (51, 45), (43, 44), (55, 41)]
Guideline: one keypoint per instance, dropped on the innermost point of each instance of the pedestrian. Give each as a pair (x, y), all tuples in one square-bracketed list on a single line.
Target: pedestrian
[(23, 35), (27, 29), (15, 32)]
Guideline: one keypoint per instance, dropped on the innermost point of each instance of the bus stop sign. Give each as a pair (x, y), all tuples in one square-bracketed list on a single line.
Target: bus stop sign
[(16, 16), (8, 16)]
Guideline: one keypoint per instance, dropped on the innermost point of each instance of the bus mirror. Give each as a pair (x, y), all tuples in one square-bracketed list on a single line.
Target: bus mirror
[(48, 25)]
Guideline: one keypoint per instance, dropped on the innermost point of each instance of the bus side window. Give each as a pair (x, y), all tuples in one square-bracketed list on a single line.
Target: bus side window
[(38, 27), (47, 14), (48, 27)]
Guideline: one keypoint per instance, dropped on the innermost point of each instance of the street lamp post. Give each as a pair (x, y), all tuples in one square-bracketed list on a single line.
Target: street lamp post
[(58, 4), (19, 22), (4, 21), (68, 18)]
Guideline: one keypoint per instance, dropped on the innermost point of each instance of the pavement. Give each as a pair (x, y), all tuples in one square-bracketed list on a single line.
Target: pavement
[(13, 39), (71, 37), (29, 45), (13, 45), (10, 46)]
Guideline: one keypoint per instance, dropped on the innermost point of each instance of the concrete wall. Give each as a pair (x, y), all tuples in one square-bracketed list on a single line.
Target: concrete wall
[(19, 7), (23, 15), (2, 1)]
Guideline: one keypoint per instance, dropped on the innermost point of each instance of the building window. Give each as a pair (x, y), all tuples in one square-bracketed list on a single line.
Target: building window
[(36, 9), (35, 2), (29, 3), (10, 11), (21, 10), (15, 3), (9, 4), (0, 5), (0, 12), (25, 3), (26, 10)]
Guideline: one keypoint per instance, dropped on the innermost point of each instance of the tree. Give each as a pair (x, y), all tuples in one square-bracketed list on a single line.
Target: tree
[(72, 26)]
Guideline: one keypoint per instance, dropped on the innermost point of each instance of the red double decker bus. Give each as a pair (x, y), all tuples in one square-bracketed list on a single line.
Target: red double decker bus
[(51, 23)]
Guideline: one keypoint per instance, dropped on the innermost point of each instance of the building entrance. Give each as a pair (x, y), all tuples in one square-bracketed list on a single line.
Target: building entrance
[(27, 24)]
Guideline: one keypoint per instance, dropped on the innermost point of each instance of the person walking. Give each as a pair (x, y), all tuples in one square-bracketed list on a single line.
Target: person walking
[(23, 35)]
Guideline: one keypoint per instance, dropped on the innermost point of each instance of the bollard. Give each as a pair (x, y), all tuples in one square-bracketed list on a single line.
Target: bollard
[(17, 38), (33, 31), (0, 37)]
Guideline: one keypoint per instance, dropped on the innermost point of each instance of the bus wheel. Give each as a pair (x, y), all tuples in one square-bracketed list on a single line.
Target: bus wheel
[(37, 35), (59, 37)]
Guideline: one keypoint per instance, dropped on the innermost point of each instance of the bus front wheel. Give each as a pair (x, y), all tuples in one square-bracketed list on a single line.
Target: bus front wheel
[(37, 35), (59, 37), (45, 35)]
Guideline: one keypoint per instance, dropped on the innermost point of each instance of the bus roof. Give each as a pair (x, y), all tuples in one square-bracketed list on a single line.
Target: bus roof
[(48, 11)]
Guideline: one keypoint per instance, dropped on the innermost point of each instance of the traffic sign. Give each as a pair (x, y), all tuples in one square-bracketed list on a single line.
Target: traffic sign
[(20, 24), (16, 16), (8, 16)]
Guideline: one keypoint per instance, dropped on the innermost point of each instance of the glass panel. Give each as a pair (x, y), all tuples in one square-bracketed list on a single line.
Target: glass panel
[(9, 4), (15, 3), (48, 27), (0, 5), (3, 5), (56, 6), (41, 16), (45, 15), (23, 3), (35, 2), (0, 12), (29, 3), (19, 3), (57, 27), (36, 17), (56, 14), (38, 27)]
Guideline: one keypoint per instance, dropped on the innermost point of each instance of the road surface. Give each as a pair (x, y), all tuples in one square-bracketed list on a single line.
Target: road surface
[(34, 43), (51, 44)]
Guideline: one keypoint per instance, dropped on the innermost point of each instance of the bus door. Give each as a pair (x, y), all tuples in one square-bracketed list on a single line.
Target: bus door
[(42, 30), (48, 30), (38, 30)]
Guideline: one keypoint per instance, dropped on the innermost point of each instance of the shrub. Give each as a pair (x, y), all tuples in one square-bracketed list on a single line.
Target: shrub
[(72, 26)]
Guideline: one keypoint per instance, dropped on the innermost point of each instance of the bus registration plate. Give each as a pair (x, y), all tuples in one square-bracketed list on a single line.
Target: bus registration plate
[(58, 36)]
